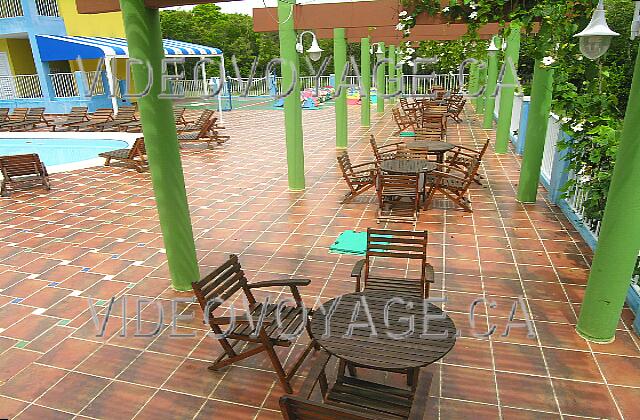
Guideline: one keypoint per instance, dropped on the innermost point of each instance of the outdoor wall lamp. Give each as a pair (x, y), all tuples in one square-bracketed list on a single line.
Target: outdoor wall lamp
[(314, 51), (492, 49), (596, 37), (379, 50)]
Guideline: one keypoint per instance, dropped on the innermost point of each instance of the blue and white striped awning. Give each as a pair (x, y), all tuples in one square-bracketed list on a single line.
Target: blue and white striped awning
[(55, 48)]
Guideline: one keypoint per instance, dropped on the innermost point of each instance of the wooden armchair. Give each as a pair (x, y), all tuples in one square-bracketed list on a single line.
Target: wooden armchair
[(359, 178), (398, 198), (455, 108), (387, 151), (461, 157), (355, 399), (22, 170), (266, 326), (404, 122), (453, 182), (403, 244)]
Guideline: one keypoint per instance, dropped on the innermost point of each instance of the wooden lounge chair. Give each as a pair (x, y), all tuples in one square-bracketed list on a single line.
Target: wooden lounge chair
[(206, 134), (387, 151), (276, 329), (22, 171), (136, 157), (205, 116), (126, 114), (396, 244), (34, 117), (178, 114), (101, 116), (452, 182), (18, 115), (359, 178), (78, 114), (461, 157), (398, 198), (404, 122), (136, 126), (352, 398)]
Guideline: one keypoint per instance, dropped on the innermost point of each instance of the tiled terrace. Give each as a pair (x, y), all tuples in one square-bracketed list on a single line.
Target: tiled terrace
[(96, 234)]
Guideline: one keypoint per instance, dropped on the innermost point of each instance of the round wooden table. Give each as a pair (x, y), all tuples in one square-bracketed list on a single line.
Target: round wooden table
[(407, 166), (438, 148), (393, 347)]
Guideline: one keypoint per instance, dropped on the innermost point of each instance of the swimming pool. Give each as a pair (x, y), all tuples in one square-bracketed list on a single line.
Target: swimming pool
[(60, 151)]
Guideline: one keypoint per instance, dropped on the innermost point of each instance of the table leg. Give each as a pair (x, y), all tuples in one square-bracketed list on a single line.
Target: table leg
[(412, 378)]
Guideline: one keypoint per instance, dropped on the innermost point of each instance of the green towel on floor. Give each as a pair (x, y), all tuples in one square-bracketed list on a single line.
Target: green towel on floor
[(350, 243), (407, 134)]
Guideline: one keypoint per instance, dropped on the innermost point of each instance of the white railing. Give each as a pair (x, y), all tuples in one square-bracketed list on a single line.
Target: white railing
[(188, 88), (422, 84), (20, 87), (10, 8), (576, 196), (550, 147), (47, 8), (98, 89), (65, 85)]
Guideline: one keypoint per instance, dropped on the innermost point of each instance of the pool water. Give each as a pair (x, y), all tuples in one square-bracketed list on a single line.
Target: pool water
[(60, 151)]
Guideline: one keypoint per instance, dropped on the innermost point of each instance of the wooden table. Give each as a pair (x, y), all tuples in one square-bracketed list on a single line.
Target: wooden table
[(407, 166), (438, 148), (389, 350)]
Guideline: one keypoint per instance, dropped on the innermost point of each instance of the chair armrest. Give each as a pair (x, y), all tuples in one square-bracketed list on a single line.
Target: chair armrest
[(446, 169), (276, 283), (421, 397), (430, 273), (318, 363), (360, 165), (357, 269)]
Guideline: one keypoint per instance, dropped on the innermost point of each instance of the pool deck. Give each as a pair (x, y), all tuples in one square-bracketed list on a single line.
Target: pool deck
[(96, 236)]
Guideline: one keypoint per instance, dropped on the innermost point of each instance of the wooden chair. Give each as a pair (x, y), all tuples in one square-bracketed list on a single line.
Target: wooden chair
[(207, 134), (453, 182), (18, 115), (32, 119), (461, 157), (454, 109), (222, 284), (126, 115), (359, 178), (398, 198), (78, 114), (403, 244), (403, 122), (135, 157), (22, 170), (101, 116), (387, 151), (355, 399)]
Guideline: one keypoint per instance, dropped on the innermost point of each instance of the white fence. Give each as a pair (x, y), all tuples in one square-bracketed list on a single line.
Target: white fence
[(47, 8), (10, 8), (576, 197), (65, 85), (550, 147), (20, 87)]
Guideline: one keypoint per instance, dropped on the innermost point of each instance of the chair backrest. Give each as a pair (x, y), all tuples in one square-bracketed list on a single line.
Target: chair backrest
[(77, 112), (345, 165), (374, 147), (221, 284), (207, 126), (431, 132), (4, 114), (19, 114), (472, 168), (205, 116), (21, 165), (297, 408), (403, 244), (126, 113), (102, 114), (483, 150), (138, 149), (35, 113)]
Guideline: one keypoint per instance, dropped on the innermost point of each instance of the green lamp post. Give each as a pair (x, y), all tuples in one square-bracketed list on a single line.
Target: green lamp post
[(492, 82)]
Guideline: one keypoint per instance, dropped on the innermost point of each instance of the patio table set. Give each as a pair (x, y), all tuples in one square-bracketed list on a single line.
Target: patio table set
[(384, 326)]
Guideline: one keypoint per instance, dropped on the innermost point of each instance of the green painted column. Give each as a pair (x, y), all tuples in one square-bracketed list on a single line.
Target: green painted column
[(142, 27), (619, 239), (539, 109), (492, 81), (365, 74), (339, 62), (479, 102), (506, 94), (292, 107), (393, 85), (474, 79), (380, 84)]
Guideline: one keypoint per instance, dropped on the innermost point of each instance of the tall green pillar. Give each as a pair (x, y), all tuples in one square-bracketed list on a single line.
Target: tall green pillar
[(380, 83), (474, 76), (292, 108), (365, 74), (479, 102), (539, 109), (506, 93), (492, 82), (339, 62), (619, 239), (393, 85), (142, 27)]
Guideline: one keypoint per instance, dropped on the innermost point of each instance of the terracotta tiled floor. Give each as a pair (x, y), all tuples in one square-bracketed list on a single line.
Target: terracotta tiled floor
[(96, 234)]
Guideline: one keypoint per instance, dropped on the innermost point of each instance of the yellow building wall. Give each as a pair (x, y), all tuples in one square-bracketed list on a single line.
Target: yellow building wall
[(19, 52), (103, 24)]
